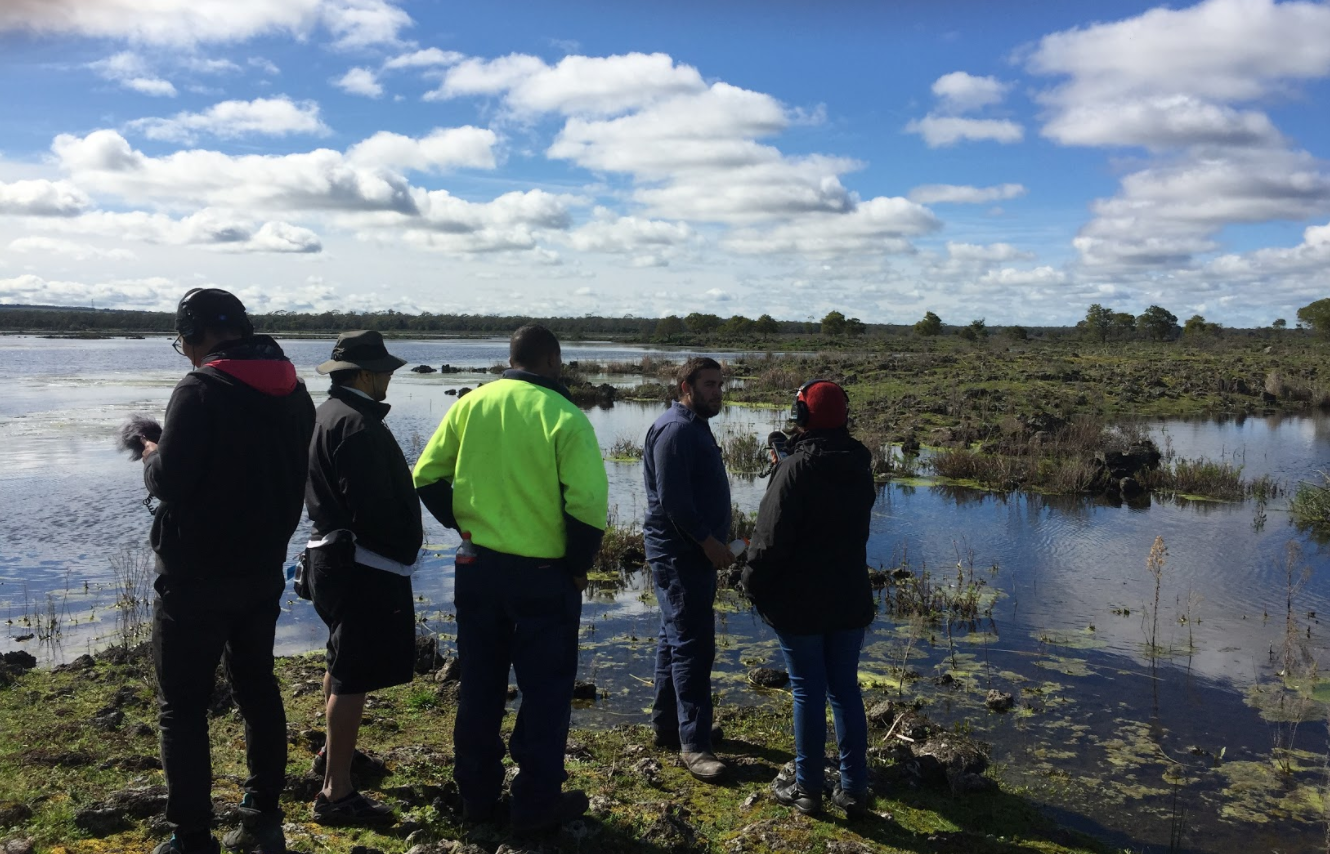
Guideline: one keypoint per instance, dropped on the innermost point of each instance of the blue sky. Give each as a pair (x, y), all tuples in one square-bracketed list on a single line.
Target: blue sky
[(1015, 162)]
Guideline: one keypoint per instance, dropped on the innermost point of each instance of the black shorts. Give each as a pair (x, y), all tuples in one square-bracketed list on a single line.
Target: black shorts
[(371, 621)]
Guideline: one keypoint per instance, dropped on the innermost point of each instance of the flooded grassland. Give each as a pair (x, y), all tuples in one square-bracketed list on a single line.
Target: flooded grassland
[(1162, 653)]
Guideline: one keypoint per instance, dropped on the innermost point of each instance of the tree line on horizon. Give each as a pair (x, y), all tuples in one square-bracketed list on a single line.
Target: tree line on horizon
[(1101, 324)]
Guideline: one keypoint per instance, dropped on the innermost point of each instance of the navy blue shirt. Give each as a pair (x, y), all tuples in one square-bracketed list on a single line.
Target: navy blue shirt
[(688, 493)]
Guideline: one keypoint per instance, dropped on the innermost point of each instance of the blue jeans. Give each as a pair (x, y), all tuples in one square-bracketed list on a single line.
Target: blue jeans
[(685, 651), (826, 667), (524, 612)]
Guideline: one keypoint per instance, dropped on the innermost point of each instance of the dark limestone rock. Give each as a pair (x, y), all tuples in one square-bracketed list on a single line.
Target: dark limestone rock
[(19, 660), (423, 369), (12, 813), (768, 677), (999, 701), (585, 691)]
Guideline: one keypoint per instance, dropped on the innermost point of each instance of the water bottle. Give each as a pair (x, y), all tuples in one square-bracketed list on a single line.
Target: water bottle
[(467, 551)]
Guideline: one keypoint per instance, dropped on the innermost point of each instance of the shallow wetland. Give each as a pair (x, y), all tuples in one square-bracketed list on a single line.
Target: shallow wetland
[(1172, 705)]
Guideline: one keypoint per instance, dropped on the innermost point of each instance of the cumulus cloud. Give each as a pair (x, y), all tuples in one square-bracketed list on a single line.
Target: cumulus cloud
[(878, 226), (211, 228), (629, 235), (232, 119), (360, 81), (430, 57), (961, 194), (1169, 121), (69, 249), (441, 149), (353, 23), (582, 85), (155, 293), (942, 131), (132, 72), (959, 92), (42, 198)]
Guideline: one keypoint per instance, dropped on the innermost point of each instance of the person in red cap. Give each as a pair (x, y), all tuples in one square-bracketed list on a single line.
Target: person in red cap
[(807, 575)]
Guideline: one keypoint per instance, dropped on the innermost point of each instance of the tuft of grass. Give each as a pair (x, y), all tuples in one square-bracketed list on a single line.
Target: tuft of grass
[(1310, 505), (743, 453), (622, 548), (624, 449)]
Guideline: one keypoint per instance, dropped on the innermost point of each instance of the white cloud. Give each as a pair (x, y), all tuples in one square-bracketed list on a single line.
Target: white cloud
[(153, 293), (353, 23), (930, 194), (267, 66), (360, 81), (42, 198), (630, 234), (1223, 50), (232, 119), (878, 226), (363, 23), (203, 65), (971, 252), (442, 149), (576, 85), (1170, 121), (430, 57), (212, 228), (68, 248), (132, 72), (941, 131), (960, 92)]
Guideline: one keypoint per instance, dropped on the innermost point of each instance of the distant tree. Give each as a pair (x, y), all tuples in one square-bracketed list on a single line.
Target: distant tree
[(701, 324), (1280, 324), (1098, 322), (737, 325), (854, 327), (766, 325), (1124, 324), (1016, 333), (976, 331), (1317, 316), (1197, 326), (1157, 323), (669, 326), (930, 326), (833, 323)]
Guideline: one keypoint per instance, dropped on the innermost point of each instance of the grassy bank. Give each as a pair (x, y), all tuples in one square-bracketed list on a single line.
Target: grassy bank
[(78, 773)]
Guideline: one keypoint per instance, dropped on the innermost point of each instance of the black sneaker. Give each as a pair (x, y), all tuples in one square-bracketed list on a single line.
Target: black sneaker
[(260, 831), (855, 804), (571, 805), (354, 809), (174, 846), (789, 793)]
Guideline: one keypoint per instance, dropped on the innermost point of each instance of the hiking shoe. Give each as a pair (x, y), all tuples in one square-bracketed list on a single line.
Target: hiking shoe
[(855, 804), (789, 793), (355, 808), (474, 812), (260, 831), (571, 805), (174, 846), (361, 763), (704, 766), (670, 740)]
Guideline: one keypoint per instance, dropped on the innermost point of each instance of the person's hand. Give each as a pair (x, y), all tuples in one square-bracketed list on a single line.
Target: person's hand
[(149, 447), (718, 553), (579, 581)]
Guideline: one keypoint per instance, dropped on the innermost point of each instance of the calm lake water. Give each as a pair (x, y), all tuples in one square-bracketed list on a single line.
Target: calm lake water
[(1204, 742)]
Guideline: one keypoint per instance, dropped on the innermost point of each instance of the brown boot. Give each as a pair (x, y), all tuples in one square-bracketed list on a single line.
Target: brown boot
[(704, 766)]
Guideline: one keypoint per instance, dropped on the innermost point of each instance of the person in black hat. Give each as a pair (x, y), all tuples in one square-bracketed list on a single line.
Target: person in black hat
[(362, 552), (229, 470)]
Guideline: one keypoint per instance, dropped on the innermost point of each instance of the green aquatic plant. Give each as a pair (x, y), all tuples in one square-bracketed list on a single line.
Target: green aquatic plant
[(624, 449), (1154, 564), (1310, 505)]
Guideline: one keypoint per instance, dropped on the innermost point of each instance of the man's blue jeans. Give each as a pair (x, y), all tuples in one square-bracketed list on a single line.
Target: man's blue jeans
[(524, 612), (685, 651), (826, 667)]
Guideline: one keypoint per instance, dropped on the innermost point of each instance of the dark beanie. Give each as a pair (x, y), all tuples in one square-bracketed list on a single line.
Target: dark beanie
[(827, 406)]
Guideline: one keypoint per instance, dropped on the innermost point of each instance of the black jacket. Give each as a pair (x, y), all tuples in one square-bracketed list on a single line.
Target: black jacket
[(807, 569), (230, 468), (359, 480)]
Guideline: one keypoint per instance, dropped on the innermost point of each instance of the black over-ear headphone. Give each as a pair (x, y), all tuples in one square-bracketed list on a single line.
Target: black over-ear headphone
[(799, 409), (191, 326)]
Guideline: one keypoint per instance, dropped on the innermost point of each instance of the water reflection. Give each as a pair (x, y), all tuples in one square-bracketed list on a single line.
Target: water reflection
[(1104, 729)]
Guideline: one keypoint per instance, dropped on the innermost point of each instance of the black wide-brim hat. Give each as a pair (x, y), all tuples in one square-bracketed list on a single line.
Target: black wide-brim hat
[(361, 350)]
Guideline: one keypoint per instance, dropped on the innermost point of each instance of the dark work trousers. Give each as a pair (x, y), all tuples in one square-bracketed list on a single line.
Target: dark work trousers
[(685, 651), (194, 626), (524, 612)]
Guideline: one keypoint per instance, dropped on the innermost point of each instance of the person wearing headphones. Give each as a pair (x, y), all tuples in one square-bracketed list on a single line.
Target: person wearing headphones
[(229, 471), (807, 576)]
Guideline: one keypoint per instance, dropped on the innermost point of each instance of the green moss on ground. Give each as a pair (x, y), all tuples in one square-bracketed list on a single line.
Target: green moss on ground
[(56, 761)]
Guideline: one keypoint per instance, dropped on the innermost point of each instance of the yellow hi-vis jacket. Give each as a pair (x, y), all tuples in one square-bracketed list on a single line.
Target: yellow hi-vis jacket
[(518, 455)]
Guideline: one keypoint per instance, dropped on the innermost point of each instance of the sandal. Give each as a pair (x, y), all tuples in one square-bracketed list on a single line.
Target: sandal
[(355, 808)]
